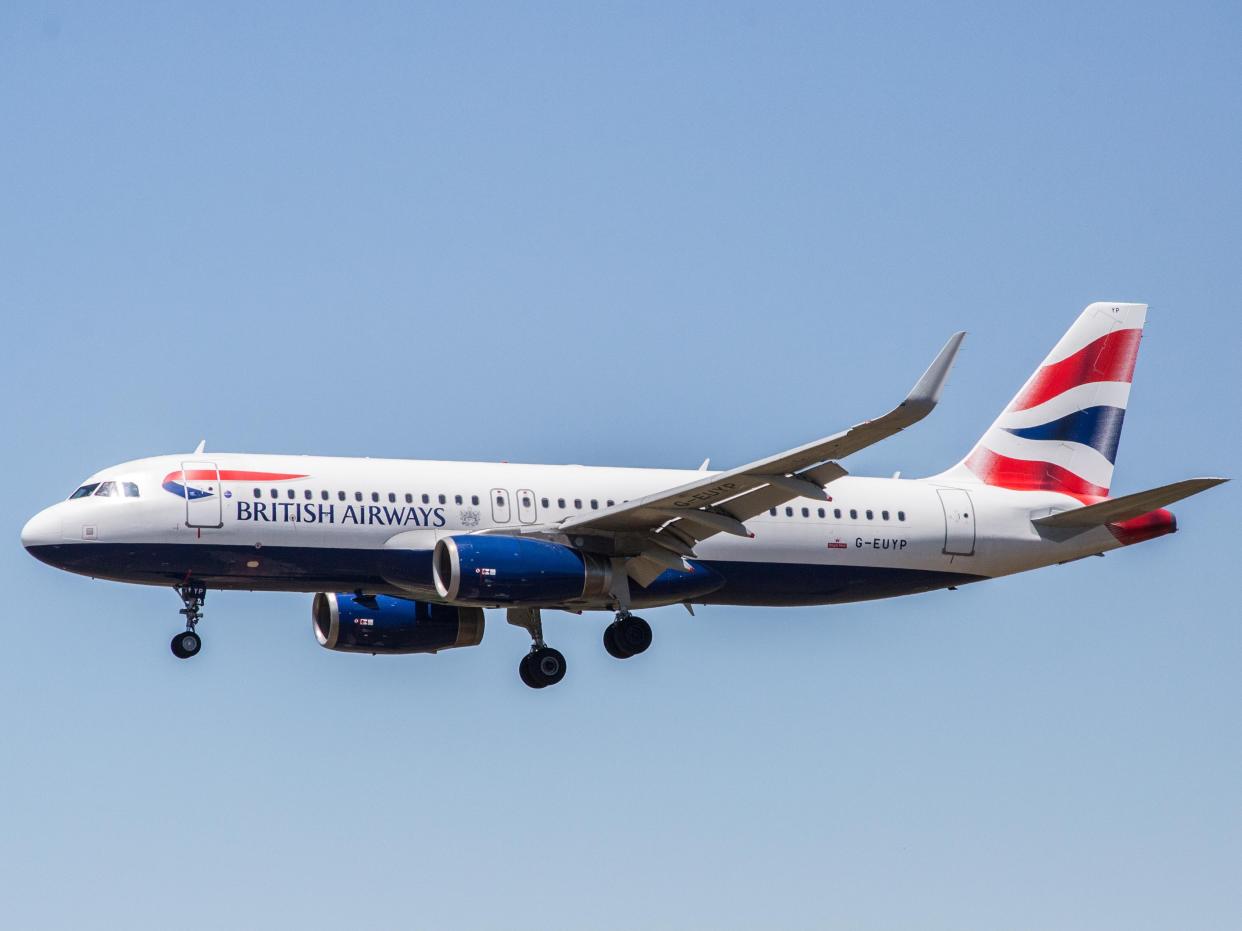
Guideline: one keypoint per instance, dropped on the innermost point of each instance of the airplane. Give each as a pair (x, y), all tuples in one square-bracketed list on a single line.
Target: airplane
[(403, 556)]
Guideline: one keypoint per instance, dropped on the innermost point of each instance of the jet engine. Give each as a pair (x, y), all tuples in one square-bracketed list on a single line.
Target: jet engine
[(383, 624), (496, 570), (506, 570)]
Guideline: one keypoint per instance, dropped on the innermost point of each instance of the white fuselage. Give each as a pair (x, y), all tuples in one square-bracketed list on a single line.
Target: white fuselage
[(336, 523)]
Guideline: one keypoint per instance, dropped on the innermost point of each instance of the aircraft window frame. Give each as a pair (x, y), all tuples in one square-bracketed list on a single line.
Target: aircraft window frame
[(458, 499), (788, 511), (441, 499), (772, 511), (544, 502), (106, 489), (474, 499), (822, 513), (291, 494), (308, 495), (274, 492), (901, 515), (806, 512), (409, 498), (84, 491), (357, 496), (870, 514), (323, 495), (560, 503), (595, 504), (375, 497), (341, 496), (884, 515), (853, 513), (131, 489), (426, 499), (258, 492), (392, 497), (836, 513)]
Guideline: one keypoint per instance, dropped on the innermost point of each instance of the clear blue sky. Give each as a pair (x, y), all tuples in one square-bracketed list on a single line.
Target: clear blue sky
[(632, 234)]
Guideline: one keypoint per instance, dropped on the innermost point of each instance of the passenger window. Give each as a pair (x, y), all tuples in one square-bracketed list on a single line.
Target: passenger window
[(258, 492), (426, 499), (560, 502), (324, 495), (474, 499), (357, 496), (870, 516), (772, 511), (457, 499), (500, 500), (106, 490), (577, 504), (375, 496), (291, 494), (822, 514), (901, 515), (836, 512), (594, 504), (610, 502), (131, 490), (308, 494), (84, 491), (340, 496), (442, 499), (543, 502), (409, 498), (853, 514), (789, 512), (806, 512), (884, 514), (273, 493)]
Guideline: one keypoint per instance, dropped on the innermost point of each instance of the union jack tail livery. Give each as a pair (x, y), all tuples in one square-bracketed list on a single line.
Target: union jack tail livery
[(1060, 433)]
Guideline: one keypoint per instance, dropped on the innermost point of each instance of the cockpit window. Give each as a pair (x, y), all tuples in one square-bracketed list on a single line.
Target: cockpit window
[(131, 489), (84, 491), (106, 490)]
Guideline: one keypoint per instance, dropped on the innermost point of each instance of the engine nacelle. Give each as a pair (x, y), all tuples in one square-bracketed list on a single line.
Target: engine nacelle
[(382, 624), (494, 570)]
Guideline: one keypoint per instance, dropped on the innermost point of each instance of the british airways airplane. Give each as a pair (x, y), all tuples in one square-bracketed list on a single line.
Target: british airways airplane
[(404, 555)]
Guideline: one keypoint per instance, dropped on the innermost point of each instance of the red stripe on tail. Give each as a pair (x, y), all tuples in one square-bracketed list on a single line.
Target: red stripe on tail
[(1109, 358), (1027, 475)]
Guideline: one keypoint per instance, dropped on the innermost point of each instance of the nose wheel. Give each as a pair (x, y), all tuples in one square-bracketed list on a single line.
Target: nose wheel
[(627, 636), (188, 643)]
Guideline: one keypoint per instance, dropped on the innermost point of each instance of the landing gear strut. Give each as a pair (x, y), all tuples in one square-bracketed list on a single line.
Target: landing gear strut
[(627, 636), (187, 644), (542, 666)]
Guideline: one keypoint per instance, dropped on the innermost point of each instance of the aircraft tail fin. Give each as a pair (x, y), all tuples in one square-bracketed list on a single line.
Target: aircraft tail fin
[(1061, 431)]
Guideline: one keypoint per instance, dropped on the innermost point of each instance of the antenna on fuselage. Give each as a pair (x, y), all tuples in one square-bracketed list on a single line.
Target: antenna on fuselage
[(706, 463), (199, 448)]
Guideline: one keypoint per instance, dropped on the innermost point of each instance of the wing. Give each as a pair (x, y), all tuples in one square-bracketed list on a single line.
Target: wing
[(655, 532)]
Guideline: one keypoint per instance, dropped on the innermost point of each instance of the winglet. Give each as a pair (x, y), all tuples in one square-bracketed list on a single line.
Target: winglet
[(926, 392)]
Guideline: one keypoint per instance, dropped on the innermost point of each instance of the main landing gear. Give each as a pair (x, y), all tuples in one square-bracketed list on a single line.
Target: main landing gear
[(543, 665), (627, 636), (187, 644)]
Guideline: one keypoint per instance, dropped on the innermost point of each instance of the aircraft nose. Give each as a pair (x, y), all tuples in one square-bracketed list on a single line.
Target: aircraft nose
[(41, 530)]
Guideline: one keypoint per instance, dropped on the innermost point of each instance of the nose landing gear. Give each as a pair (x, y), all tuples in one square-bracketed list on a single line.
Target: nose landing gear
[(188, 643), (627, 636)]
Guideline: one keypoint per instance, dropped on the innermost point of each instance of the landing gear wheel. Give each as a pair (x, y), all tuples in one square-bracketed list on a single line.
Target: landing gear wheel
[(627, 636), (541, 667), (610, 643), (186, 644)]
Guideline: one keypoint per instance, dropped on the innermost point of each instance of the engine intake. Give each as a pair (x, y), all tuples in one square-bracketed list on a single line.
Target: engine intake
[(383, 624), (492, 570)]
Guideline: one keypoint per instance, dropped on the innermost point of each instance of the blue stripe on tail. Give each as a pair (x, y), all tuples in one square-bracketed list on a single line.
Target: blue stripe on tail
[(1097, 427)]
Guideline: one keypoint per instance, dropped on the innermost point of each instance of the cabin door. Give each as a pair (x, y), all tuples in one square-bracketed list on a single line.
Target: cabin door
[(200, 484), (959, 522)]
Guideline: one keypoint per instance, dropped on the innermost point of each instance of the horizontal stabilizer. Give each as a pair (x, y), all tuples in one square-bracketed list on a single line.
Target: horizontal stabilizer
[(1128, 506)]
